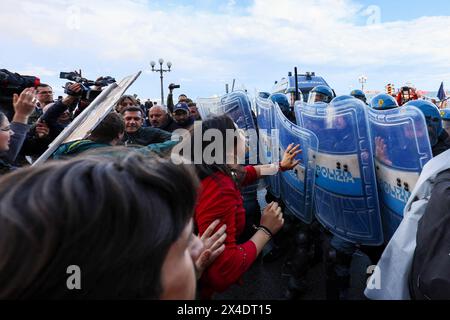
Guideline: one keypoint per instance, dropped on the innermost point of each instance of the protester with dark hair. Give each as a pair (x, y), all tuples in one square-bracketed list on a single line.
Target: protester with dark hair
[(13, 134), (125, 222), (135, 134), (124, 102), (221, 199), (108, 133)]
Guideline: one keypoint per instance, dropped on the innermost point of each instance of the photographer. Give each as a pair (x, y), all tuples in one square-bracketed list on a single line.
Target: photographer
[(57, 116), (181, 97)]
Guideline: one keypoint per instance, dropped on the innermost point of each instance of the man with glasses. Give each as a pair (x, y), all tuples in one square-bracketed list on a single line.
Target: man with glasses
[(44, 96)]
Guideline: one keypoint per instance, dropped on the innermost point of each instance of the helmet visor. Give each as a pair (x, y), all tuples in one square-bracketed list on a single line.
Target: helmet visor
[(316, 97)]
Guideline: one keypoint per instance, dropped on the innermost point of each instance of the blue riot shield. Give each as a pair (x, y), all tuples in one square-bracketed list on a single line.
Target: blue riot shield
[(401, 148), (346, 199), (297, 186), (267, 152), (237, 106)]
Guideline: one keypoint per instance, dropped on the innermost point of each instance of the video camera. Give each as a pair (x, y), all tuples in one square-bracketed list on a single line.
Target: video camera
[(174, 86), (11, 83), (86, 93)]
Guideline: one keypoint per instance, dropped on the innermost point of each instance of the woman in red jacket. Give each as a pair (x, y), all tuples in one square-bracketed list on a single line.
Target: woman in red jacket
[(220, 198)]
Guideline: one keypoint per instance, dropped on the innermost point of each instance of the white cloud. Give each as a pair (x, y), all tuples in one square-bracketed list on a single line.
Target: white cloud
[(220, 45), (42, 71)]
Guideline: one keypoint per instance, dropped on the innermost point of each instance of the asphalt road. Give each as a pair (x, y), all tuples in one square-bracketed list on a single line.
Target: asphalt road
[(269, 280)]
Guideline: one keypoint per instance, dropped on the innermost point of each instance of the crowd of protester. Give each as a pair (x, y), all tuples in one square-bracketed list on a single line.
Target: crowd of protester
[(114, 204)]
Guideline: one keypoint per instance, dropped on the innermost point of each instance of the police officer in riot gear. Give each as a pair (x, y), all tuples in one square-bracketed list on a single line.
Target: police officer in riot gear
[(439, 138), (283, 102), (445, 114), (321, 94), (359, 94), (383, 101)]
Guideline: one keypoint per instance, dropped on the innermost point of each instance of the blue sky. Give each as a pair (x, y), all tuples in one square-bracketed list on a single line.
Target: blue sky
[(210, 42)]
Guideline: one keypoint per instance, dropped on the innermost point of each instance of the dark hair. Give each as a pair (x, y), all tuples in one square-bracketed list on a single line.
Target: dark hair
[(114, 217), (109, 129), (221, 123), (122, 99), (125, 97), (43, 85), (132, 109)]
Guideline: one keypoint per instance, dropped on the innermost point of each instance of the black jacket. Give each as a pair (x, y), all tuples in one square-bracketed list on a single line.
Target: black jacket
[(169, 126), (146, 136), (430, 273), (442, 145)]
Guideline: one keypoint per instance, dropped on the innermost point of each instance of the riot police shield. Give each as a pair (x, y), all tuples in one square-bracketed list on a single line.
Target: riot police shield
[(401, 148), (209, 106), (237, 106), (346, 199), (297, 186), (268, 150)]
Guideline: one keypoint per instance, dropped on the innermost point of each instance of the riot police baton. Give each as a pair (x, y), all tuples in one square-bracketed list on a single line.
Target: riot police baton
[(296, 84)]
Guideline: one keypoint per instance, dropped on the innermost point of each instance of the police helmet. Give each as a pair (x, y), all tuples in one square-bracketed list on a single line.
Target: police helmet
[(432, 117), (282, 101), (320, 94), (445, 114), (264, 95), (383, 101), (359, 94)]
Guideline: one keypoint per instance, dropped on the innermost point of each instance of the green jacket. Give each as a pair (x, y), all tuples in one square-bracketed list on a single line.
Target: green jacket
[(72, 149)]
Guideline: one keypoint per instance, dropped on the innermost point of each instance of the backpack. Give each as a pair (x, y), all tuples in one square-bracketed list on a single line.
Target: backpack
[(391, 277)]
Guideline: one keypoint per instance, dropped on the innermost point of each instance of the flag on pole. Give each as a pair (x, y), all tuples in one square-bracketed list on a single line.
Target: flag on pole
[(441, 93)]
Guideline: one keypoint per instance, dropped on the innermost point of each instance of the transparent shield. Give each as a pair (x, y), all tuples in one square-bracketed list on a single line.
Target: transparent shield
[(237, 106), (401, 148), (209, 106), (297, 186), (346, 199), (267, 153)]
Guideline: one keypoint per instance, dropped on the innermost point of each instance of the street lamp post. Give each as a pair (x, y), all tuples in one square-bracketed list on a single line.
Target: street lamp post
[(362, 80), (161, 70)]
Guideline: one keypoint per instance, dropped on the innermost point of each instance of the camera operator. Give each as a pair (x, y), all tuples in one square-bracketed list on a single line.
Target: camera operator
[(57, 116), (13, 134), (181, 97), (84, 101)]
